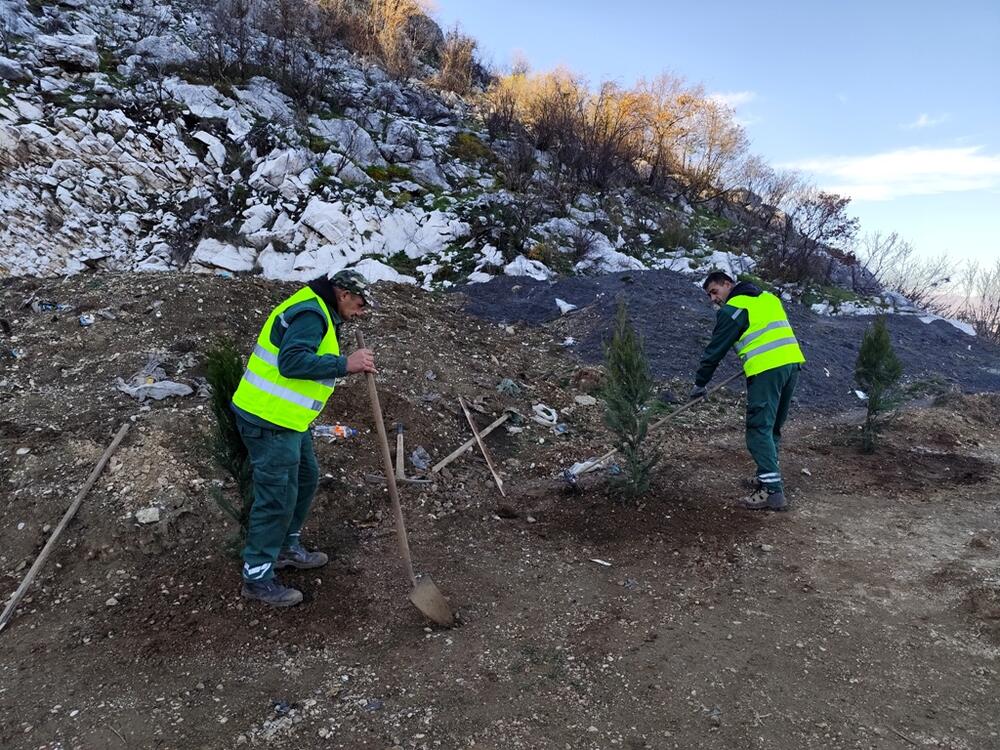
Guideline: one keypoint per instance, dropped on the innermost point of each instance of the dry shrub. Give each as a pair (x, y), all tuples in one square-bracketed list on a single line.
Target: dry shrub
[(457, 62)]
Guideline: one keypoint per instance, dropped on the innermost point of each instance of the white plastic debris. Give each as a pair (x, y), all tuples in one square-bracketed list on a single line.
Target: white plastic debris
[(150, 382), (599, 561), (565, 307), (545, 415)]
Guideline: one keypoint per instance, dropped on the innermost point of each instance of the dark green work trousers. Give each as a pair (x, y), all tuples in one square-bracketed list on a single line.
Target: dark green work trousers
[(285, 475), (769, 394)]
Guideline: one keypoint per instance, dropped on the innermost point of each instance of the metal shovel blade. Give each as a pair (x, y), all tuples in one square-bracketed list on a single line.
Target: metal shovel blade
[(431, 602)]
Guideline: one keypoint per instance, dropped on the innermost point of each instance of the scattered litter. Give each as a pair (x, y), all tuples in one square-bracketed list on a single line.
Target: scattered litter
[(508, 387), (861, 394), (112, 602), (420, 458), (87, 319), (107, 314), (585, 400), (568, 341), (430, 375), (336, 431), (148, 515), (545, 415), (151, 382), (14, 353), (44, 306), (561, 429), (513, 429), (614, 470), (827, 371), (578, 467), (374, 705), (224, 274), (430, 398), (631, 584), (599, 561), (565, 307), (23, 451), (281, 707), (766, 548), (807, 472)]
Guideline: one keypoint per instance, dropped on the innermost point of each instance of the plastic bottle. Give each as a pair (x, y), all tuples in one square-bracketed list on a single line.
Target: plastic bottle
[(334, 431)]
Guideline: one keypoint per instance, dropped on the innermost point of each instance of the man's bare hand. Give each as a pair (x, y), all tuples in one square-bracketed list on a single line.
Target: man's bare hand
[(361, 361)]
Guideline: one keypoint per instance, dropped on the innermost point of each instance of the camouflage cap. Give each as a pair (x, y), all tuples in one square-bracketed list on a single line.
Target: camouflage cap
[(353, 281)]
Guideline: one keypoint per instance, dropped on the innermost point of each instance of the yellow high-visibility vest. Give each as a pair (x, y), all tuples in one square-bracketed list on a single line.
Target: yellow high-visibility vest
[(289, 402), (769, 341)]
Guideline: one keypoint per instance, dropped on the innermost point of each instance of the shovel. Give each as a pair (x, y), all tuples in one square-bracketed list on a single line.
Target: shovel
[(424, 595)]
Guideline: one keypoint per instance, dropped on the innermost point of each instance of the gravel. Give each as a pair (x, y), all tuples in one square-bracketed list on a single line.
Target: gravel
[(675, 319)]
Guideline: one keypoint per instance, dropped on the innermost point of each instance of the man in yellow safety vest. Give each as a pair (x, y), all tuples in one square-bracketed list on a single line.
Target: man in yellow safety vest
[(755, 323), (293, 370)]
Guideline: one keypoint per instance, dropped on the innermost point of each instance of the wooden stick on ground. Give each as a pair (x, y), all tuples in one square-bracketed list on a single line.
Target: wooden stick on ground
[(482, 448), (67, 517), (468, 444)]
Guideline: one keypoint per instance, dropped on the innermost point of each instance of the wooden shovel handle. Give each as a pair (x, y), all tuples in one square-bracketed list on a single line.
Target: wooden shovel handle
[(390, 477)]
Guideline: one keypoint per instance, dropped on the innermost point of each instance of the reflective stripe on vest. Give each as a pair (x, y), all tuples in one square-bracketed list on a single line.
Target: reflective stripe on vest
[(289, 402), (769, 341)]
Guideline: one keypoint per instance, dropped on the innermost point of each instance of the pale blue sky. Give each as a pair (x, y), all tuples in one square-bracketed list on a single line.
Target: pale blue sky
[(894, 103)]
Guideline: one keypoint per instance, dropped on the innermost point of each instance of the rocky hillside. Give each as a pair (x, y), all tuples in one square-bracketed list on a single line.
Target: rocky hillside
[(119, 153)]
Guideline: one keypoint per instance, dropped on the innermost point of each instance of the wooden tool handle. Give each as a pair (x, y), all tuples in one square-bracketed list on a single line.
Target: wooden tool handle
[(383, 444), (67, 517), (482, 448), (659, 423)]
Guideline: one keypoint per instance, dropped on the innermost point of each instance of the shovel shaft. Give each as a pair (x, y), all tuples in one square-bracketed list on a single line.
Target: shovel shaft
[(383, 444)]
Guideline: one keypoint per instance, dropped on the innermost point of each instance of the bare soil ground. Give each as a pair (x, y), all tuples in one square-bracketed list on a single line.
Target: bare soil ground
[(869, 617)]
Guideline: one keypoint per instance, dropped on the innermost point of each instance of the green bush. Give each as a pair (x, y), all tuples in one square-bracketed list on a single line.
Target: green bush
[(391, 173), (627, 394), (224, 368), (877, 371), (467, 147)]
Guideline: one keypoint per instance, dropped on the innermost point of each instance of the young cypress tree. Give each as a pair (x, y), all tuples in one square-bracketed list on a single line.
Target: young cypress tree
[(224, 371), (627, 393), (877, 371)]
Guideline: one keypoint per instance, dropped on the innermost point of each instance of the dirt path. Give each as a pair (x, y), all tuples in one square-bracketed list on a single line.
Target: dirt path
[(867, 618), (863, 619)]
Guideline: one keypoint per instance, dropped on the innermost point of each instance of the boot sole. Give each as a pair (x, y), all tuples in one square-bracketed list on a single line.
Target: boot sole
[(271, 604), (281, 565)]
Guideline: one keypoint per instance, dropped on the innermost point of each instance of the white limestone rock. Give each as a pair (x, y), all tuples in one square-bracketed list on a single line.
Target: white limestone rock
[(77, 51), (164, 50), (12, 70), (221, 255), (216, 150), (350, 139)]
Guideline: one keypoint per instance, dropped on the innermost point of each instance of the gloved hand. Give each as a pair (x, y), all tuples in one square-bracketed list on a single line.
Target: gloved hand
[(697, 392)]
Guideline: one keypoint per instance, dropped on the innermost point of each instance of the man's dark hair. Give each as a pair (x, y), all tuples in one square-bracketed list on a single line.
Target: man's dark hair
[(717, 277)]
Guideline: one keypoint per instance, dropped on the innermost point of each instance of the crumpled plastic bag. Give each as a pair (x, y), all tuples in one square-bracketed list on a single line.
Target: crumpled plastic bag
[(151, 382), (420, 458)]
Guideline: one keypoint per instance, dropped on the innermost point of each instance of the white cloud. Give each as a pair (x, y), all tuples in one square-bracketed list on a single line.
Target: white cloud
[(733, 99), (924, 120), (909, 171)]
